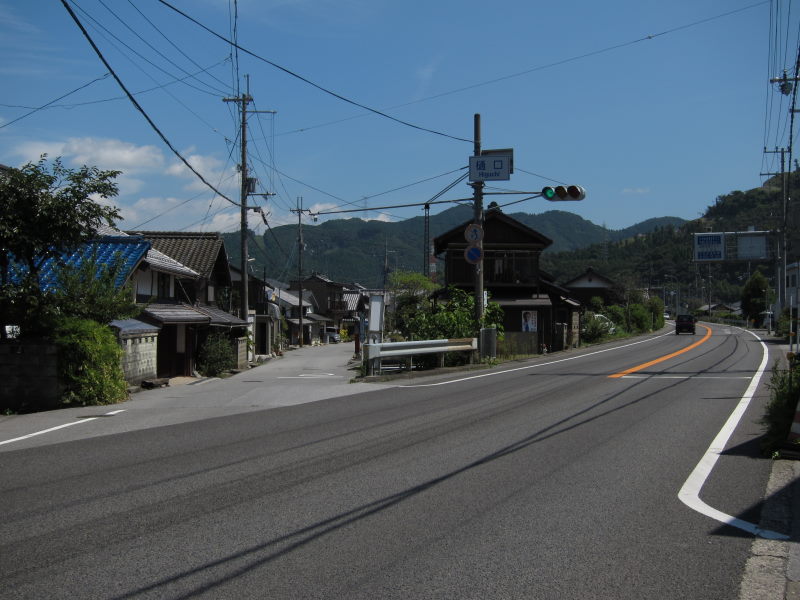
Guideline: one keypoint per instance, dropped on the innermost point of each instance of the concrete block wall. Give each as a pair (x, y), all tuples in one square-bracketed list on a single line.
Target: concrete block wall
[(241, 353), (29, 374), (139, 357)]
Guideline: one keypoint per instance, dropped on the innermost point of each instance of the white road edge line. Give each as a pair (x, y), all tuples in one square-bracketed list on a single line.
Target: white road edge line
[(57, 427), (689, 493), (536, 366)]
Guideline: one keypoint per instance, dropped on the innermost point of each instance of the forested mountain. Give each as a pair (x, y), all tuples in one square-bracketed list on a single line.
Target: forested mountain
[(663, 257), (650, 254), (353, 250)]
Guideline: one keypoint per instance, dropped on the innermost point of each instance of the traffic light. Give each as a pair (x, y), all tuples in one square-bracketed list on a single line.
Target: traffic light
[(563, 193)]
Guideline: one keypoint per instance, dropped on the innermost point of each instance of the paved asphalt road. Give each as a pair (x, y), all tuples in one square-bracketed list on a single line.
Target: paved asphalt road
[(537, 479)]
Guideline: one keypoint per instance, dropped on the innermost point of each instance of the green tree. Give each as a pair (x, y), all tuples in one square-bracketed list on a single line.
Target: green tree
[(655, 306), (89, 291), (217, 355), (754, 296), (411, 293), (454, 318), (89, 365), (47, 210)]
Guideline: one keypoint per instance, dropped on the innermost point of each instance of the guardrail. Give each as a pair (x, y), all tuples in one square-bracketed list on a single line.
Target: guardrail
[(373, 353)]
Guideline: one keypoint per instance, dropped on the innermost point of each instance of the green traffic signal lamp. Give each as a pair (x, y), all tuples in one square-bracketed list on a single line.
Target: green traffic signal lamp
[(562, 193)]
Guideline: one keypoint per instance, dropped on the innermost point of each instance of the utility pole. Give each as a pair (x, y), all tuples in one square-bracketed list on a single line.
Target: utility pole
[(780, 260), (300, 210), (243, 101), (426, 242), (300, 266), (477, 187)]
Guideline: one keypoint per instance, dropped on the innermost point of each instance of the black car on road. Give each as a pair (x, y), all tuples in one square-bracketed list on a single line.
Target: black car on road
[(684, 324)]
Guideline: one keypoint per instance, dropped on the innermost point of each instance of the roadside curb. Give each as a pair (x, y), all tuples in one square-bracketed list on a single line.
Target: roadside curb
[(773, 568)]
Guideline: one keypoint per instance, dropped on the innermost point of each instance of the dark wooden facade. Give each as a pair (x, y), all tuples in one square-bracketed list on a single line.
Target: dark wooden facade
[(538, 314)]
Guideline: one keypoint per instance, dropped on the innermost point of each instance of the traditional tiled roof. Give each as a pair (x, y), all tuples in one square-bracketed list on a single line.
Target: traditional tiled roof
[(285, 297), (130, 250), (196, 250), (134, 327), (353, 299), (219, 316), (157, 260), (173, 314), (497, 228)]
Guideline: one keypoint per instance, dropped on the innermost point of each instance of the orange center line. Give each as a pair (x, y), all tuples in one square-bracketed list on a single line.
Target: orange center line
[(663, 358)]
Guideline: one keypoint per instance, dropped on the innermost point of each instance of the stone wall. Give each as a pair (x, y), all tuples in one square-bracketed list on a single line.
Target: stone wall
[(139, 357), (29, 374), (518, 343)]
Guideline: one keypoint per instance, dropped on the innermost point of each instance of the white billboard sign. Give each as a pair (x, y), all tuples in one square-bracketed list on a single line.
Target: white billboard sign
[(752, 246)]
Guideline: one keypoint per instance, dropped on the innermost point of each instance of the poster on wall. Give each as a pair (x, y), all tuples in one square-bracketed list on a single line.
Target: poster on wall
[(529, 320)]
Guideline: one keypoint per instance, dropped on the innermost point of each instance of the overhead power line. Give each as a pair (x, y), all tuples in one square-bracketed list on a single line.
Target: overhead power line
[(537, 68), (308, 81), (138, 106), (123, 97), (38, 108), (171, 43)]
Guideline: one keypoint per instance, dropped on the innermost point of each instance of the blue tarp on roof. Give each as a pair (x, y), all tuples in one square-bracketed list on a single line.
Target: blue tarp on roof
[(104, 252)]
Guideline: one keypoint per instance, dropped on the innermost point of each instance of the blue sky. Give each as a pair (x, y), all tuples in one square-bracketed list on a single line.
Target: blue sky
[(656, 108)]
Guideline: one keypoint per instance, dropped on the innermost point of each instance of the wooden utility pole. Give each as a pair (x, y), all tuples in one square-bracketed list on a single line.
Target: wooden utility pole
[(477, 187)]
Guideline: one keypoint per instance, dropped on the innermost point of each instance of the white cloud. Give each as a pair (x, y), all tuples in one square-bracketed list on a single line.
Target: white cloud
[(113, 154), (225, 222), (206, 165), (212, 170), (130, 185), (382, 217), (31, 151), (636, 191), (104, 153), (321, 206), (155, 204)]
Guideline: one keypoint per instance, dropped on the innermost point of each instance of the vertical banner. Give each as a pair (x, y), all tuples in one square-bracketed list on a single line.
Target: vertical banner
[(375, 334)]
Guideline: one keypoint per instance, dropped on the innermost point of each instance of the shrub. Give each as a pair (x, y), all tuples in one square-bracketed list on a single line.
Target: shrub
[(617, 315), (780, 409), (640, 318), (217, 355), (594, 328), (89, 363)]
